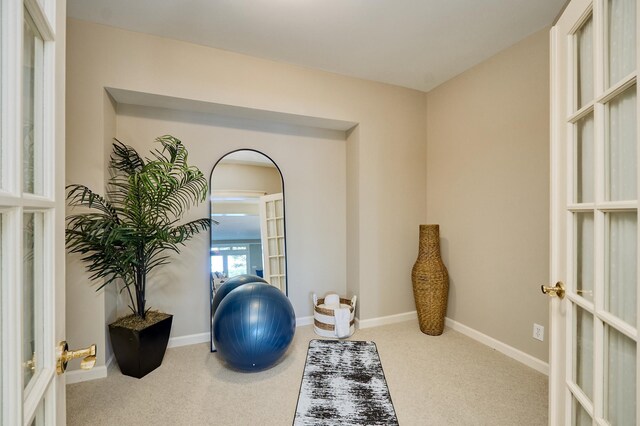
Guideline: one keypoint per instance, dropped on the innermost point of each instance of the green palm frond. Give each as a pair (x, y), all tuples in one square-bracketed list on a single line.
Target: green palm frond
[(127, 234), (125, 158)]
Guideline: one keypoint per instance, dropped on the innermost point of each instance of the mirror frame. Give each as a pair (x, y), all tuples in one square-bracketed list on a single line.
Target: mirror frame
[(211, 231)]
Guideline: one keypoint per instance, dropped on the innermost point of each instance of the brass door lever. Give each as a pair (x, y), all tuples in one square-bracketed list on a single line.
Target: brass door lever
[(558, 290), (30, 364), (88, 356)]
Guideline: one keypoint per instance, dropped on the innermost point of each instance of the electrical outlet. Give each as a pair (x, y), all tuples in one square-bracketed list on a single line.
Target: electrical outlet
[(538, 332)]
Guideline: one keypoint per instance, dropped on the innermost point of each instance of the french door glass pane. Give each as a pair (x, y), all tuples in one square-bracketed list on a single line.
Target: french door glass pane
[(274, 265), (622, 276), (579, 416), (622, 163), (584, 253), (32, 107), (583, 351), (32, 294), (584, 71), (621, 46), (584, 160), (276, 282), (619, 378)]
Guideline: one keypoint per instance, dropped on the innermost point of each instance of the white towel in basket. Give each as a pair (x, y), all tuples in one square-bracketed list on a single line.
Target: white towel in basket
[(343, 318)]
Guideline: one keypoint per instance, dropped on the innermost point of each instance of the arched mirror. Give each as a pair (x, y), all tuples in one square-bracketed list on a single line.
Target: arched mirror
[(247, 202)]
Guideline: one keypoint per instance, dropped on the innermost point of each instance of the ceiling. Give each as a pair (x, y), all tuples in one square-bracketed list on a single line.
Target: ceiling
[(233, 228), (412, 43)]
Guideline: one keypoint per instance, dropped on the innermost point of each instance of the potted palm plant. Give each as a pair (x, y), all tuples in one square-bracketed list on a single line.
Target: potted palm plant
[(124, 236)]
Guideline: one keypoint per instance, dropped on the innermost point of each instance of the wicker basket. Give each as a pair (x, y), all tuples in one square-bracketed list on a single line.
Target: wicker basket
[(324, 323)]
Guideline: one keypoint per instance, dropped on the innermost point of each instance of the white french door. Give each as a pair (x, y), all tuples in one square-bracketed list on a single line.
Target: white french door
[(31, 212), (273, 241), (594, 149)]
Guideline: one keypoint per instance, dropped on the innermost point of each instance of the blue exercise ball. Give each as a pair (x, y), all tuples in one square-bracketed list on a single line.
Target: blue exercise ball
[(253, 326), (231, 284)]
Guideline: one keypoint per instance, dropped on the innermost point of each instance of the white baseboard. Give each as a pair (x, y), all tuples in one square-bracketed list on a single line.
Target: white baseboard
[(300, 321), (509, 351), (193, 339), (391, 319), (190, 339), (77, 376), (110, 361)]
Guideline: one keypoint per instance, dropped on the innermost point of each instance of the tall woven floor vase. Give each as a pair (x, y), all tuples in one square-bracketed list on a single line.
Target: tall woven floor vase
[(430, 281)]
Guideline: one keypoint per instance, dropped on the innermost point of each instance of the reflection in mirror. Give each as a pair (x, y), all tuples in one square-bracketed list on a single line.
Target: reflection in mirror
[(247, 201)]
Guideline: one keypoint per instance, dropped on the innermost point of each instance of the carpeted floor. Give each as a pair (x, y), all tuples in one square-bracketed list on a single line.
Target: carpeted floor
[(444, 380)]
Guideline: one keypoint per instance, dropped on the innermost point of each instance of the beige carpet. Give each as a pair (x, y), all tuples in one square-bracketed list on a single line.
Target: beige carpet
[(444, 380)]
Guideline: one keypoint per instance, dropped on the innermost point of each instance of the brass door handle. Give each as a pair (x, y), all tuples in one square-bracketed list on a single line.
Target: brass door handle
[(558, 290), (31, 364), (88, 356)]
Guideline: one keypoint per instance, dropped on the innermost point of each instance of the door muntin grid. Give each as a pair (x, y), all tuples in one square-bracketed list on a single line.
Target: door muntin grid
[(602, 219)]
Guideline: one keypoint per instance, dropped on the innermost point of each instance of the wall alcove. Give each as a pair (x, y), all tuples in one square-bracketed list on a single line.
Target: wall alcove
[(316, 209)]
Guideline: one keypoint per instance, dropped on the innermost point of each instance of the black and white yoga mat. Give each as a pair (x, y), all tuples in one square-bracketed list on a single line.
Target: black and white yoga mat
[(343, 384)]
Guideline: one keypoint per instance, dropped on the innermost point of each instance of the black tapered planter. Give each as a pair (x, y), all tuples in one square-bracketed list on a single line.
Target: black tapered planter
[(139, 352)]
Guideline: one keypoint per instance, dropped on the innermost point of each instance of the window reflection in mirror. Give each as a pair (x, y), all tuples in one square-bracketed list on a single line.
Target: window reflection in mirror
[(247, 201)]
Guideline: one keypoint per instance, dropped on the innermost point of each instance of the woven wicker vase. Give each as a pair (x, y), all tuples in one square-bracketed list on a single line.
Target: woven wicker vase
[(430, 282)]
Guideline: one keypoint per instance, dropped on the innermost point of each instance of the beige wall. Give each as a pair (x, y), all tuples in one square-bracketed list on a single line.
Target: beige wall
[(488, 188), (382, 166)]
